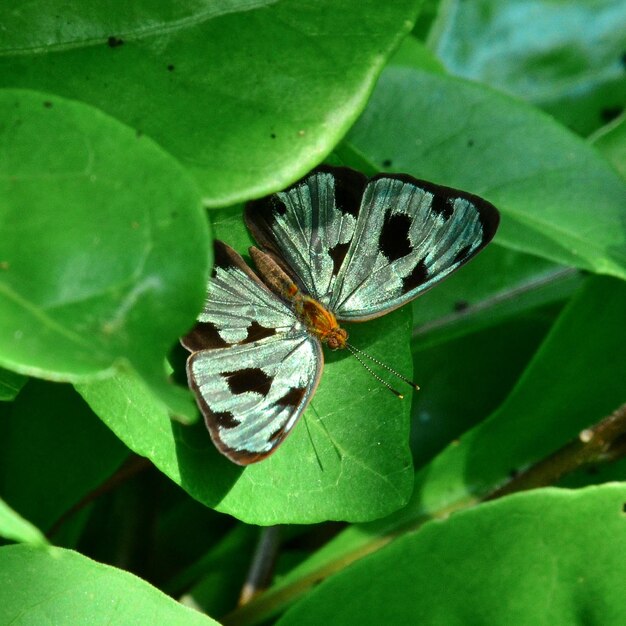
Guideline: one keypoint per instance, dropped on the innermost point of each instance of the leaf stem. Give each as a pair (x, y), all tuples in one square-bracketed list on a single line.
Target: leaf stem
[(602, 443), (133, 465), (262, 565)]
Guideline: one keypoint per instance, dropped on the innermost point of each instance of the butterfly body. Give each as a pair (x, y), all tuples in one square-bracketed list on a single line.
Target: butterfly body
[(333, 247), (318, 320)]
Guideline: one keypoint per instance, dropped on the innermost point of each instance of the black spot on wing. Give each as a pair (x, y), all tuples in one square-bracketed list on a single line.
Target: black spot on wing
[(338, 254), (225, 419), (417, 277), (442, 205), (293, 397), (463, 254), (203, 336), (349, 188), (248, 379), (257, 332), (394, 240), (277, 205)]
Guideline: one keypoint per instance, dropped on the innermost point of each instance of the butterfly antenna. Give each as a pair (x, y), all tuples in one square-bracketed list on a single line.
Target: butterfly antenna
[(383, 382), (408, 381)]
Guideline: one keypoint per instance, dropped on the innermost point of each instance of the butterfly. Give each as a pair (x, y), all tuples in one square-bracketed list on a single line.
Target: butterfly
[(333, 247)]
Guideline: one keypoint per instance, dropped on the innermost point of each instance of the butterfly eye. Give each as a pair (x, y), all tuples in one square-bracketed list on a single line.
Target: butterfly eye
[(336, 339)]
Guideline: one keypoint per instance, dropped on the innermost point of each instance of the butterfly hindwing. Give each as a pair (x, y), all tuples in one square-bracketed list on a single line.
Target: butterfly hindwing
[(253, 366), (364, 248), (252, 394)]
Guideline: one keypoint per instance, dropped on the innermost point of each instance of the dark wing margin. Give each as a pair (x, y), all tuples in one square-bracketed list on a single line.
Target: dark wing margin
[(410, 235), (253, 367), (308, 227)]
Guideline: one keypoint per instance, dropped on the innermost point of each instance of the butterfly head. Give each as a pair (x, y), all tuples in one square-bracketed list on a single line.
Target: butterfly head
[(336, 338), (321, 322)]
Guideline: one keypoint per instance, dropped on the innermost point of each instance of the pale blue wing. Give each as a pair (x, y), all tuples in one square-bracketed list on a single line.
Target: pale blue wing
[(238, 308), (409, 235), (253, 367), (252, 394), (308, 227), (365, 248)]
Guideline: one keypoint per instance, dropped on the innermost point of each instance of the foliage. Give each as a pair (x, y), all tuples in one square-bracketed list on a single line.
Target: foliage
[(129, 137)]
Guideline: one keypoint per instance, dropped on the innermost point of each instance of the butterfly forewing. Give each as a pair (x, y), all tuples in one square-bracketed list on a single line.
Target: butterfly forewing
[(309, 226), (365, 248), (254, 366), (409, 236)]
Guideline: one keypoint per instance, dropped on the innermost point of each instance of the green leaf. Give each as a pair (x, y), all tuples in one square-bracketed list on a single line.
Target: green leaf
[(545, 557), (49, 433), (482, 367), (497, 285), (413, 53), (15, 528), (566, 57), (574, 380), (57, 586), (248, 94), (347, 459), (611, 141), (10, 384), (566, 398), (217, 576), (105, 245), (541, 177)]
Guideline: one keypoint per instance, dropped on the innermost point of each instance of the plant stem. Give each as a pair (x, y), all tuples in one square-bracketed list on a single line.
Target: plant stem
[(133, 465)]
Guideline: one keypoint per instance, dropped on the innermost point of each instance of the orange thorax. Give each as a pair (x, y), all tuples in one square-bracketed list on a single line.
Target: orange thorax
[(314, 315)]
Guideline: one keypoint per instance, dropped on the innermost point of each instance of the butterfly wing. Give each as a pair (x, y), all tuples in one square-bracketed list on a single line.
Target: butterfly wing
[(375, 245), (253, 366), (308, 227), (410, 235)]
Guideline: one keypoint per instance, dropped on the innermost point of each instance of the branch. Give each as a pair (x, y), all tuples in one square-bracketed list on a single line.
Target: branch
[(602, 443), (133, 465)]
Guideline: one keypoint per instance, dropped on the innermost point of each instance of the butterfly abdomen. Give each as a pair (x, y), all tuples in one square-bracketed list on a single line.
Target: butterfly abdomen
[(318, 320), (273, 276)]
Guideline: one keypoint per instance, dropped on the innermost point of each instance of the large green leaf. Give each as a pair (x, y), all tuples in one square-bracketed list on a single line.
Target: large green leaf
[(347, 459), (104, 246), (567, 57), (53, 451), (499, 284), (575, 379), (248, 94), (611, 141), (480, 367), (15, 528), (57, 586), (545, 557), (559, 199)]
